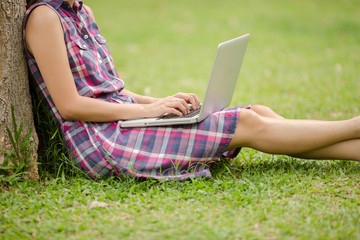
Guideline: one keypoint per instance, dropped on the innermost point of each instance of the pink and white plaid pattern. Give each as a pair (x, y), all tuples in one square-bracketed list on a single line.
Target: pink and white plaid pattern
[(174, 152)]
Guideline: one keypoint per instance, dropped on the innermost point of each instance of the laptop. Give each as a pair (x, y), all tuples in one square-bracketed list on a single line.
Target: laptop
[(220, 88)]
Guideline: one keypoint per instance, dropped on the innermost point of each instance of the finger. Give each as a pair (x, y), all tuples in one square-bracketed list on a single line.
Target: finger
[(181, 104), (193, 99), (195, 103), (168, 107), (178, 95), (185, 105), (174, 111), (196, 98), (184, 96), (190, 98)]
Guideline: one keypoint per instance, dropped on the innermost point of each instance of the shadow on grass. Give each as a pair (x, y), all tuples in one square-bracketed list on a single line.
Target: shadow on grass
[(259, 163)]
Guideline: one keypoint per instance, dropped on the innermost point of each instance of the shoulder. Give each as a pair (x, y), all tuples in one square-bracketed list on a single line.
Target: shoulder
[(42, 16), (88, 9), (42, 23), (44, 12)]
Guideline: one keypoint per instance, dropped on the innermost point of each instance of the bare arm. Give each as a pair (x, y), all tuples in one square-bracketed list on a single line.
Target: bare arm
[(45, 39), (140, 98)]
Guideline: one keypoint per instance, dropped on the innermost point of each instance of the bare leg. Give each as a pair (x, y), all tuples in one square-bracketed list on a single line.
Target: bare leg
[(291, 137), (346, 150)]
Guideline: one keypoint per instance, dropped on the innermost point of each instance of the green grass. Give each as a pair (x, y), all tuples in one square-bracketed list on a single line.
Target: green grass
[(267, 199), (302, 60)]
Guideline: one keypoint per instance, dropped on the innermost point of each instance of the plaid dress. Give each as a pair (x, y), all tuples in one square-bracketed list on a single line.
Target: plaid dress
[(173, 152)]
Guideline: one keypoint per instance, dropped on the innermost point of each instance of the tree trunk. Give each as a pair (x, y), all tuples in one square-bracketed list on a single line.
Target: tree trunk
[(14, 83)]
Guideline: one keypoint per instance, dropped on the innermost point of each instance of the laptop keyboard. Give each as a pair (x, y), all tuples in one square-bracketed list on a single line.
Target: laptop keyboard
[(192, 113)]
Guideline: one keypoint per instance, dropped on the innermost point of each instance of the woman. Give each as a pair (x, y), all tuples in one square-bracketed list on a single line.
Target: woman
[(74, 72)]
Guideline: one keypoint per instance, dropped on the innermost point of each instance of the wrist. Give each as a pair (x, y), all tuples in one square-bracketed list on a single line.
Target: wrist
[(144, 110), (147, 100)]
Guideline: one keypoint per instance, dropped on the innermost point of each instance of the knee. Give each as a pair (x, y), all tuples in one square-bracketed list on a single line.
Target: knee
[(250, 126), (260, 108), (265, 111), (250, 120)]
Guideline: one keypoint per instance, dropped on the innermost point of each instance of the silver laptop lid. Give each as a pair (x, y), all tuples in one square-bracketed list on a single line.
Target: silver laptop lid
[(226, 69)]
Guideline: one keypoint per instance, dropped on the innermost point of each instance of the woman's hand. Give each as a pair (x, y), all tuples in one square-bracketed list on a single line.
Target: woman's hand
[(177, 104), (190, 98)]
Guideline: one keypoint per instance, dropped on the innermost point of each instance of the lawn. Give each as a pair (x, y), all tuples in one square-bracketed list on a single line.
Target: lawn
[(302, 60)]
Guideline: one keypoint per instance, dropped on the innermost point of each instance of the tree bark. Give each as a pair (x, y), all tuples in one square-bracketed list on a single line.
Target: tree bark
[(14, 83)]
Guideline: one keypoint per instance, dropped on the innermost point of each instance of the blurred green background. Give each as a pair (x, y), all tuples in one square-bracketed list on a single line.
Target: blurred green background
[(302, 59)]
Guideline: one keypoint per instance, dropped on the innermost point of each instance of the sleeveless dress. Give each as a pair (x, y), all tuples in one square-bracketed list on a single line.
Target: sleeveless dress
[(104, 148)]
